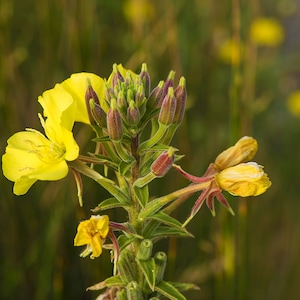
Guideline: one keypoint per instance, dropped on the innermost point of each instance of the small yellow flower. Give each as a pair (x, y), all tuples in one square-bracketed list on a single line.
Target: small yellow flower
[(245, 179), (294, 103), (243, 151), (92, 233), (266, 32), (31, 156)]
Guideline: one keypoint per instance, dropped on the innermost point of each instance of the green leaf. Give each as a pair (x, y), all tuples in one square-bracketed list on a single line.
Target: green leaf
[(108, 204), (124, 167), (102, 139), (164, 231), (166, 219), (169, 291), (181, 286), (125, 240), (142, 194), (114, 281), (148, 269)]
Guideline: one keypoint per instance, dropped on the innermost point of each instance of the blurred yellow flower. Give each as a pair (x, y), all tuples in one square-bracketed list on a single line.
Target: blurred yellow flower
[(136, 10), (293, 103), (245, 179), (92, 233), (230, 52), (243, 151), (30, 156), (266, 32)]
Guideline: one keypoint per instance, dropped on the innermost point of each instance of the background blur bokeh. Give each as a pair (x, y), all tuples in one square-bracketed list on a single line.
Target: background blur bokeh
[(241, 60)]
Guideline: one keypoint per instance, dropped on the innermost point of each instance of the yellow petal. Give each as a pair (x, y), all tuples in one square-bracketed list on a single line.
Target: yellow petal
[(59, 106), (243, 151), (76, 86), (245, 179)]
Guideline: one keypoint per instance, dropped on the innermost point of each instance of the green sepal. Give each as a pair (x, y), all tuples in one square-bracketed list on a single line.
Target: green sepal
[(169, 291), (148, 269), (108, 204), (142, 194)]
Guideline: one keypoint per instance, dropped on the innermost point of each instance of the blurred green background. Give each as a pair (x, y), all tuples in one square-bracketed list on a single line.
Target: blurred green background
[(239, 82)]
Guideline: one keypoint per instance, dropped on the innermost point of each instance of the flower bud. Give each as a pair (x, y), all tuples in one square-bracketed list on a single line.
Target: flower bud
[(98, 113), (245, 179), (169, 83), (243, 151), (163, 163), (168, 108), (145, 250), (140, 96), (121, 101), (116, 77), (134, 292), (145, 77), (180, 95), (90, 94), (155, 96), (133, 114), (114, 122)]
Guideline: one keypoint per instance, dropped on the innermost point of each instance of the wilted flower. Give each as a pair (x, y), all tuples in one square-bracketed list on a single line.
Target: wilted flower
[(245, 179), (92, 233)]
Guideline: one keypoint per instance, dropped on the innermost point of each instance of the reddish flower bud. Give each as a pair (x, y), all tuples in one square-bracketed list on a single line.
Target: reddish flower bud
[(98, 113), (155, 96), (180, 95), (145, 77), (168, 108), (114, 122), (169, 83), (133, 114), (90, 94), (163, 163)]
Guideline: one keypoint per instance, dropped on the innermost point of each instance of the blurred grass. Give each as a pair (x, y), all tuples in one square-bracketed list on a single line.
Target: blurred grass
[(251, 256)]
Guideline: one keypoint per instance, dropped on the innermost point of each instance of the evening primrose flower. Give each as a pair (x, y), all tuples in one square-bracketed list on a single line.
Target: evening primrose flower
[(233, 172), (230, 51), (92, 233), (266, 32), (66, 100), (31, 156)]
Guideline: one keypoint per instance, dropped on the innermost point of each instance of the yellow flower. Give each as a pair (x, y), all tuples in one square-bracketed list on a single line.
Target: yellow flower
[(266, 32), (243, 151), (66, 101), (294, 103), (30, 156), (245, 179), (92, 233)]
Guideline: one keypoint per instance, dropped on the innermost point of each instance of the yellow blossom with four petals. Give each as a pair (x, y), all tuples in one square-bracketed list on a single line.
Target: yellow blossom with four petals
[(92, 233)]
